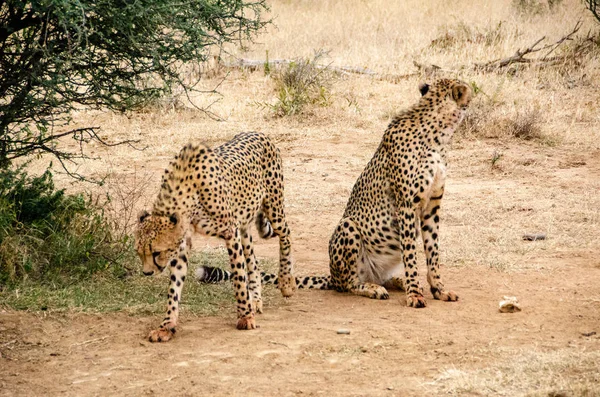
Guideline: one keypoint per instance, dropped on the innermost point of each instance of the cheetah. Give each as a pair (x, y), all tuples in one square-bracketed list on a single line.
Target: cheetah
[(399, 192), (218, 192)]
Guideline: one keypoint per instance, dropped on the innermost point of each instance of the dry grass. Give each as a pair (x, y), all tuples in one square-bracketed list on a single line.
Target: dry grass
[(487, 118), (527, 373), (386, 37)]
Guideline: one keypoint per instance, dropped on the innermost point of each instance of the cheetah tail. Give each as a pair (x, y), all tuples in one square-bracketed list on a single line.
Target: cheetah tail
[(263, 225), (209, 274)]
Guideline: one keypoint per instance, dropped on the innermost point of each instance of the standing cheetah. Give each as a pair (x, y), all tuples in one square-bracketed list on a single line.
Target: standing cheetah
[(399, 191), (218, 192)]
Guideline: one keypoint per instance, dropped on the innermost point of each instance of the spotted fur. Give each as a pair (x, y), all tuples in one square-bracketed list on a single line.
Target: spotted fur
[(218, 192), (399, 192)]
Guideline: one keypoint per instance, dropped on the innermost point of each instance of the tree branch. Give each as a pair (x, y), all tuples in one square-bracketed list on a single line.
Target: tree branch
[(520, 55)]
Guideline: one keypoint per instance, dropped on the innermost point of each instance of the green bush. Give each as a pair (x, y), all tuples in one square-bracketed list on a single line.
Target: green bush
[(58, 57), (49, 236)]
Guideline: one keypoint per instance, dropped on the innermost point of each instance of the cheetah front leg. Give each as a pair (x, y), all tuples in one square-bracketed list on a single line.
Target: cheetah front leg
[(245, 311), (430, 225), (178, 268), (254, 282), (408, 231)]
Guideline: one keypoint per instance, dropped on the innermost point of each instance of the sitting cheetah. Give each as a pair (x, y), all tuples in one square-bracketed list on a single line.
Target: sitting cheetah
[(217, 192), (399, 191)]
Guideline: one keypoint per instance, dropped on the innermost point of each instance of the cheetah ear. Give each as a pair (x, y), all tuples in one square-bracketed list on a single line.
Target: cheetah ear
[(424, 88), (142, 215), (461, 93), (174, 218)]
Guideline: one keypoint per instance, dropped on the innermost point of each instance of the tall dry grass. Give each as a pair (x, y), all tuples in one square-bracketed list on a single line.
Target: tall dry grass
[(388, 35)]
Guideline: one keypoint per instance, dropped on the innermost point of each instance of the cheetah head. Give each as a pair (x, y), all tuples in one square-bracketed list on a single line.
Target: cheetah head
[(157, 240), (447, 90)]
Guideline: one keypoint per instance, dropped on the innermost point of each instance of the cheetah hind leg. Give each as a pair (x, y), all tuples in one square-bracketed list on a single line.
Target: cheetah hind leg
[(344, 249), (286, 280), (370, 290), (396, 283)]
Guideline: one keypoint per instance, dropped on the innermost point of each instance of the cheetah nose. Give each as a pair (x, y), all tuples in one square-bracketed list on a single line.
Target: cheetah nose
[(150, 273)]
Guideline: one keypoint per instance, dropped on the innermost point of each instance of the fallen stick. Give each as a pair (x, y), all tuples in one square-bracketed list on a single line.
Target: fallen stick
[(89, 341)]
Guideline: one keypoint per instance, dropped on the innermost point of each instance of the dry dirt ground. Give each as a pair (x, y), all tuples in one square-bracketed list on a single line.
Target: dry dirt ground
[(465, 348), (498, 189)]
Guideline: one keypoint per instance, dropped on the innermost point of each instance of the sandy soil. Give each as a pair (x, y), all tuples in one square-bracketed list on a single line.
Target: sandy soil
[(391, 349)]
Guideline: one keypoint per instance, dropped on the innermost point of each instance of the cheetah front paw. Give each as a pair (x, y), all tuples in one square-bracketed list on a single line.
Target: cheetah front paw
[(161, 335), (415, 300), (247, 322)]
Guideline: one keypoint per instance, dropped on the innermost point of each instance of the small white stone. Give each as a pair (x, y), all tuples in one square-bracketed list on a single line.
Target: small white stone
[(509, 304)]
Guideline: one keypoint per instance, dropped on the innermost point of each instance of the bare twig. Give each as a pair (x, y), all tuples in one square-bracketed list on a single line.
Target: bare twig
[(9, 343), (520, 55), (278, 343), (592, 5), (565, 38), (255, 64), (86, 342), (431, 69)]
